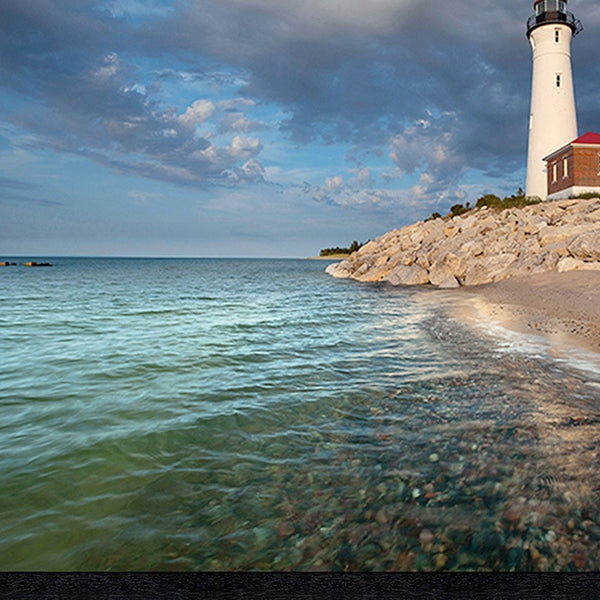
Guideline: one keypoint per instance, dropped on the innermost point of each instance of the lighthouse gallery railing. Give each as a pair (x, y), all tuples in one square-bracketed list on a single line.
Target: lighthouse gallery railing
[(567, 18)]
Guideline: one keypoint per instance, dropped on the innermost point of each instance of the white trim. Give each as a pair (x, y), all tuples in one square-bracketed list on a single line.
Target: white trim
[(574, 190)]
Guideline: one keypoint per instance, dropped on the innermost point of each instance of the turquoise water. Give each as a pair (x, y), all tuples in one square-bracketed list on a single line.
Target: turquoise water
[(185, 414)]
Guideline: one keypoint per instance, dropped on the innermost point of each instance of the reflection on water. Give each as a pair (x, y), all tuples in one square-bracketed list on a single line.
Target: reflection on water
[(355, 428)]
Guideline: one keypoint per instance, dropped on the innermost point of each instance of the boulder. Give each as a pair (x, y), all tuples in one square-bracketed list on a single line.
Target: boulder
[(473, 247), (573, 264), (408, 275), (450, 230), (557, 247), (477, 274), (457, 263), (586, 245), (593, 216), (534, 226), (439, 273), (488, 269), (557, 233), (449, 282), (340, 270)]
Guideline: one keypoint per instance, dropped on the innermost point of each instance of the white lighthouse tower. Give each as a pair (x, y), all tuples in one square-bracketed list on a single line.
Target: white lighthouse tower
[(553, 118)]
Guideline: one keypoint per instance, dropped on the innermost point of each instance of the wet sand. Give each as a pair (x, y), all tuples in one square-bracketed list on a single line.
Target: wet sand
[(562, 307)]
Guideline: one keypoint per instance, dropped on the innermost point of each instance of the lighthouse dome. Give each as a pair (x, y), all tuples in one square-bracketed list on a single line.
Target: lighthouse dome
[(541, 6)]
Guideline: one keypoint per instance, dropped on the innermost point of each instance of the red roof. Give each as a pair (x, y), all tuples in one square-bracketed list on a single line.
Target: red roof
[(588, 138)]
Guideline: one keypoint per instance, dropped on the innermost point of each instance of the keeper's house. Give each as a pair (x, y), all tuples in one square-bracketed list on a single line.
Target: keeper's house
[(575, 168)]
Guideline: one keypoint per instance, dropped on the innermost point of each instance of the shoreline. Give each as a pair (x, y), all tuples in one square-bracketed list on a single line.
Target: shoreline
[(332, 257), (562, 308)]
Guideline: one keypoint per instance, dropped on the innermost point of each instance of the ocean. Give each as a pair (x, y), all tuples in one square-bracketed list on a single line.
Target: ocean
[(223, 414)]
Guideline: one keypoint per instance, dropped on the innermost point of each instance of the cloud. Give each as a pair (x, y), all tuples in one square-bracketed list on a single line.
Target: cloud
[(334, 184), (365, 75), (199, 112), (369, 76), (14, 184), (238, 122), (107, 115), (251, 171), (15, 192), (143, 198)]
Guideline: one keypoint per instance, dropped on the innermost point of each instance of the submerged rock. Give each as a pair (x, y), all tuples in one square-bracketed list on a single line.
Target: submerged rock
[(482, 246)]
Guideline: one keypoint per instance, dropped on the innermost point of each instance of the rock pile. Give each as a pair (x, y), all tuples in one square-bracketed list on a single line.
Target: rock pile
[(482, 246)]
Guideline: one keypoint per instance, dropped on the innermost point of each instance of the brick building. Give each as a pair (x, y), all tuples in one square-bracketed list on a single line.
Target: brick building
[(575, 168)]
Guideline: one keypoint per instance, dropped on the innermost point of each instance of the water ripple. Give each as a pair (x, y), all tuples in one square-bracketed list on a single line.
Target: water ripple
[(223, 414)]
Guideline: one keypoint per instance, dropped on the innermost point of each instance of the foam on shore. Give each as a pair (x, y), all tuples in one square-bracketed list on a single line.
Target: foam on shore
[(557, 312)]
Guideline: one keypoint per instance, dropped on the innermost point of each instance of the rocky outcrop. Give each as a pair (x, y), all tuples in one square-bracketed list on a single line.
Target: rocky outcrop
[(482, 246)]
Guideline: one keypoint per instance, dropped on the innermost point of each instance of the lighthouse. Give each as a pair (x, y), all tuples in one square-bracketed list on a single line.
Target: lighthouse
[(553, 118)]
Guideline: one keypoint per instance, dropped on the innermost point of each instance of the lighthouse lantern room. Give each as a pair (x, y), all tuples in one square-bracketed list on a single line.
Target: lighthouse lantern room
[(553, 118)]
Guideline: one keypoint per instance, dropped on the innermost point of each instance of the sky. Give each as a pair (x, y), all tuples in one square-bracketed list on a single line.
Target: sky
[(260, 128)]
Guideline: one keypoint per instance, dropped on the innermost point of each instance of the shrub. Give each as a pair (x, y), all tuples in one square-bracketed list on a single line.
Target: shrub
[(459, 209), (434, 216), (517, 200), (490, 200), (585, 196)]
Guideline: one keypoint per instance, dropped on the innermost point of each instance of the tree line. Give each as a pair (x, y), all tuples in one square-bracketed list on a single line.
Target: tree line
[(354, 246)]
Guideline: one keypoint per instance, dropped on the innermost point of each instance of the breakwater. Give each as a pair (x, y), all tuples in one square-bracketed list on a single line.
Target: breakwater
[(482, 246)]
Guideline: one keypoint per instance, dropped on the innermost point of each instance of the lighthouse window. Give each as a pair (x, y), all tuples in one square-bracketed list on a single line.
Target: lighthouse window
[(557, 80), (557, 35)]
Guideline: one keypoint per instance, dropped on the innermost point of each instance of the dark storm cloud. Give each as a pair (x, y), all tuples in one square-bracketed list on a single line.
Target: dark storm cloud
[(345, 79), (438, 86)]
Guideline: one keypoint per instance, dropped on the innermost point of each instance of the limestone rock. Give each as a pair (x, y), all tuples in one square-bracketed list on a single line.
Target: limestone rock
[(594, 216), (439, 273), (586, 246), (413, 275), (557, 233), (449, 282), (340, 270), (572, 264)]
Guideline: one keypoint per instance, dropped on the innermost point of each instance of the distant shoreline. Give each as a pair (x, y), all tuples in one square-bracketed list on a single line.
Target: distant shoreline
[(331, 257)]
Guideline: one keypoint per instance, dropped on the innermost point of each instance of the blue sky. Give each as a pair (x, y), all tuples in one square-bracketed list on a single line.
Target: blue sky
[(259, 127)]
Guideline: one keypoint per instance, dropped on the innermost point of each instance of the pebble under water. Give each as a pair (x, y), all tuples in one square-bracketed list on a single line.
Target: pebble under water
[(187, 414)]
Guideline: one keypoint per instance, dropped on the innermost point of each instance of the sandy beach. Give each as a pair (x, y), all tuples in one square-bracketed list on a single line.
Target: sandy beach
[(563, 307), (332, 257)]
